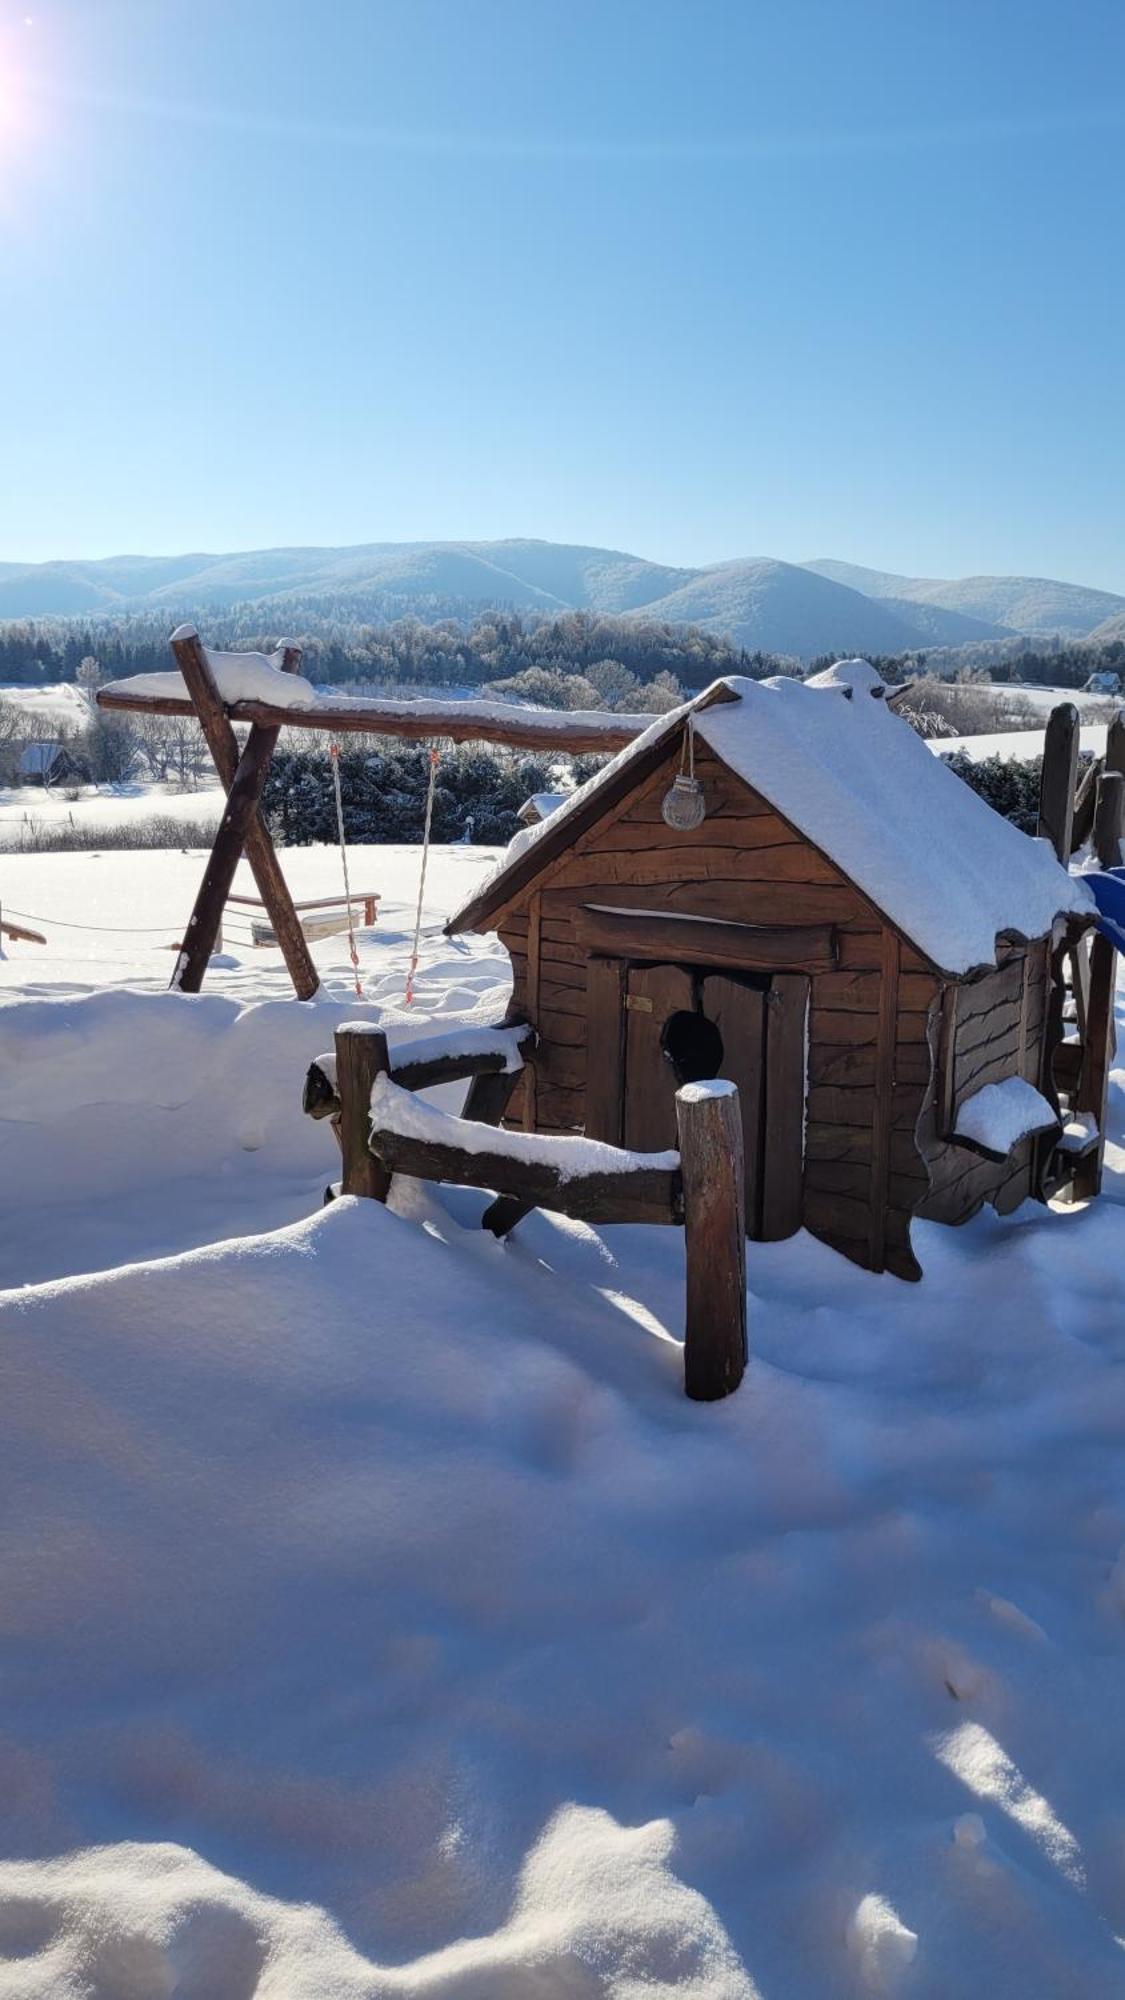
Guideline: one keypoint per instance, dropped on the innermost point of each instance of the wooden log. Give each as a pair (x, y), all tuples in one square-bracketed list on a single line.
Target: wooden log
[(20, 933), (1108, 817), (709, 1123), (454, 1068), (578, 733), (207, 914), (634, 1193), (1093, 1085), (361, 1056), (685, 941), (1085, 800), (1115, 744), (206, 703), (1057, 783)]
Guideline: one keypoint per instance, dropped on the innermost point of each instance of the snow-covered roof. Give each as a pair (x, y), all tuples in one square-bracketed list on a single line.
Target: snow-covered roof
[(540, 806), (835, 761), (36, 759)]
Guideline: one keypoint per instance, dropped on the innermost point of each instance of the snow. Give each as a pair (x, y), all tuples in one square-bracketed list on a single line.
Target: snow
[(58, 706), (999, 1115), (258, 677), (930, 854), (1016, 746), (378, 1618), (700, 1093), (24, 810), (409, 1117), (461, 1041), (238, 677), (1079, 1128)]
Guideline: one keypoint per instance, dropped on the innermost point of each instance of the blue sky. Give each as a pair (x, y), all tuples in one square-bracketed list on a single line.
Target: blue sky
[(696, 278)]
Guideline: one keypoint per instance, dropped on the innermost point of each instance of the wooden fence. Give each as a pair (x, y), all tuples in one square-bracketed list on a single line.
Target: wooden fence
[(700, 1187)]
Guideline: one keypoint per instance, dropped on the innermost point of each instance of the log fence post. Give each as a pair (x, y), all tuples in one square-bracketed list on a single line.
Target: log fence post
[(1059, 778), (361, 1056), (1100, 1037), (709, 1125)]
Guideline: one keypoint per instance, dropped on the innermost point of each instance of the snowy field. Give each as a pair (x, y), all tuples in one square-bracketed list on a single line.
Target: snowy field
[(1019, 745), (376, 1616)]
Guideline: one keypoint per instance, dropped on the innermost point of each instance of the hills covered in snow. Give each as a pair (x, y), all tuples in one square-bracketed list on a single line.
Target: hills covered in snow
[(802, 609)]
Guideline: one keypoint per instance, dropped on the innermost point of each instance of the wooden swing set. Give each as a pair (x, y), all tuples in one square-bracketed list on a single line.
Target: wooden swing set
[(243, 773)]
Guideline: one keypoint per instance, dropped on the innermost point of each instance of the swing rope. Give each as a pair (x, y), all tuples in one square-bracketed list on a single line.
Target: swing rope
[(408, 997), (334, 754)]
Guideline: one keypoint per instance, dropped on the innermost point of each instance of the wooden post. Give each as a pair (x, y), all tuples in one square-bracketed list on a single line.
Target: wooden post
[(1100, 1040), (1059, 779), (223, 745), (1115, 743), (361, 1056), (207, 916), (709, 1123)]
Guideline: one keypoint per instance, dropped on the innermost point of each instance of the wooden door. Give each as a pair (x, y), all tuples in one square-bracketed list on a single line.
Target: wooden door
[(653, 993), (738, 1010)]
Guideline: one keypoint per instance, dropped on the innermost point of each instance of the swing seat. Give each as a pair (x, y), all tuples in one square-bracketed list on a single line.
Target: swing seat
[(323, 916)]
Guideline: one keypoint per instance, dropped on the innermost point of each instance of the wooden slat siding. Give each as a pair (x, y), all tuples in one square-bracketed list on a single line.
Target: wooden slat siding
[(859, 991), (605, 1022), (783, 1166), (888, 1022), (738, 1012), (759, 832), (745, 869), (999, 1030), (559, 1109)]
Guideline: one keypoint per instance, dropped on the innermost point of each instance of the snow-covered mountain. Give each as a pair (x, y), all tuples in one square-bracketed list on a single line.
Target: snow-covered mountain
[(1037, 605), (802, 609)]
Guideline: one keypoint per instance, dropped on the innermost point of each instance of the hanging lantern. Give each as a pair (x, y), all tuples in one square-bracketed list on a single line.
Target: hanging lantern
[(684, 807)]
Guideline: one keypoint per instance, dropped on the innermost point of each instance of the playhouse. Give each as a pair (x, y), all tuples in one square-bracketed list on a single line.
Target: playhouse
[(782, 886)]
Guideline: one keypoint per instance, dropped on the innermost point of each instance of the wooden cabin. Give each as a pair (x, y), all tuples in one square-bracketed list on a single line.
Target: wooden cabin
[(848, 933)]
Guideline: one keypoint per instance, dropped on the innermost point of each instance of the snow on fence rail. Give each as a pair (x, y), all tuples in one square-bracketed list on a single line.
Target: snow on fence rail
[(383, 1130)]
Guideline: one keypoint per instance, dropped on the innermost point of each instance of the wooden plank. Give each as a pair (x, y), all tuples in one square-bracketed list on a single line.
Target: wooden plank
[(1093, 1087), (206, 704), (710, 1145), (739, 1011), (743, 948), (652, 994), (842, 1104), (605, 1067), (1058, 780), (885, 1071), (783, 1158)]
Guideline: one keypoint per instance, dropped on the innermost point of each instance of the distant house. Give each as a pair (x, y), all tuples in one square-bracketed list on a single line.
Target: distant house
[(540, 806), (1104, 682), (51, 764)]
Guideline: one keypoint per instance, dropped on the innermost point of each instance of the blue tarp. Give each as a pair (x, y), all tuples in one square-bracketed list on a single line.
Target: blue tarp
[(1107, 887)]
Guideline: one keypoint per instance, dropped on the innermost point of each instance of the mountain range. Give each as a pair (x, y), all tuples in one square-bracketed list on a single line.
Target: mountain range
[(797, 608)]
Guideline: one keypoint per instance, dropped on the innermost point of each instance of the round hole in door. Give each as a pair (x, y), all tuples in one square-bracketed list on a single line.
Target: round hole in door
[(693, 1046)]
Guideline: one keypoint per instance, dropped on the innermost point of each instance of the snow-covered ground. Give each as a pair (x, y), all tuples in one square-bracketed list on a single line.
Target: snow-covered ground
[(26, 808), (60, 705), (1022, 745), (376, 1616)]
